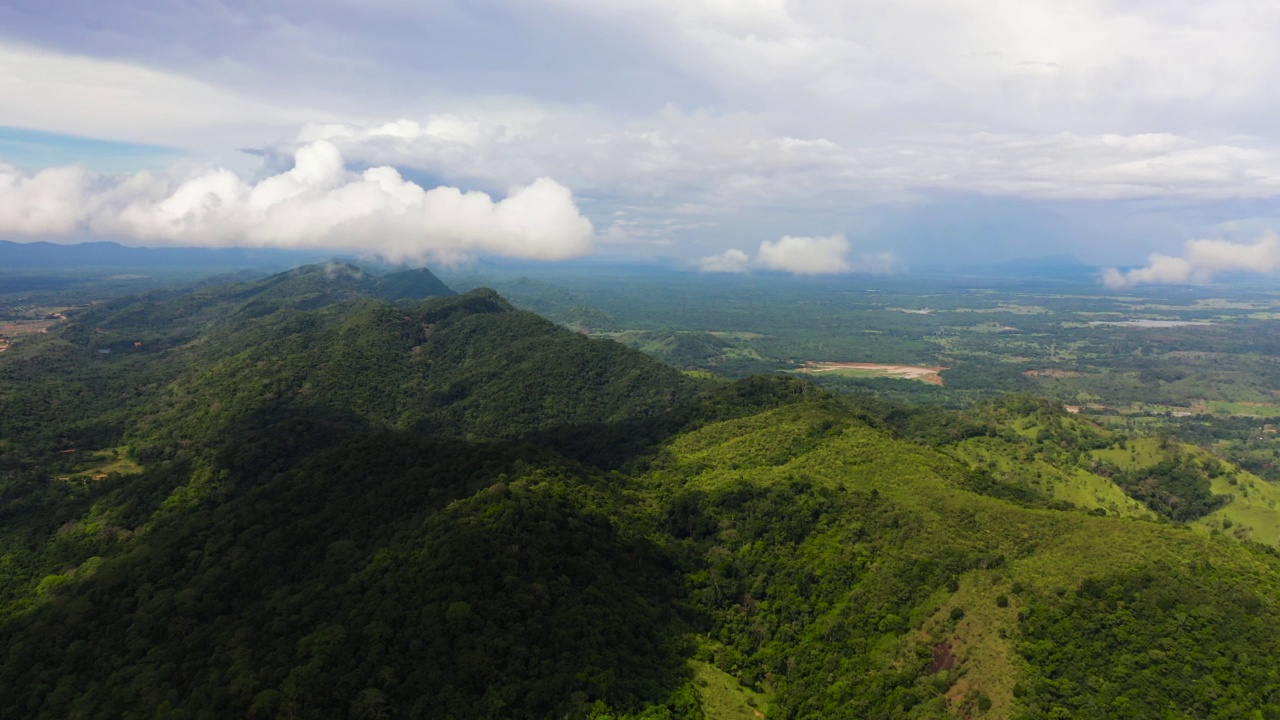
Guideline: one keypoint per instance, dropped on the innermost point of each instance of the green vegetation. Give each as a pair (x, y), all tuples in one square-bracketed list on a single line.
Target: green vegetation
[(722, 697), (1209, 384), (321, 495), (1162, 641)]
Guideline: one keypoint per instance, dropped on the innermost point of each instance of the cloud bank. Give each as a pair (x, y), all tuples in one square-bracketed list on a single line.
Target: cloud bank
[(741, 161), (799, 255), (1202, 260), (316, 204)]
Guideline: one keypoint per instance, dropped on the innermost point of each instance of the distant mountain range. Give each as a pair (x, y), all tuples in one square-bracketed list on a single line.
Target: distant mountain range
[(46, 255)]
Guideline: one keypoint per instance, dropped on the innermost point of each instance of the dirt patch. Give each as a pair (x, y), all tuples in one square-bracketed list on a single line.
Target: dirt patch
[(943, 659), (909, 372), (13, 329), (1053, 373), (39, 321)]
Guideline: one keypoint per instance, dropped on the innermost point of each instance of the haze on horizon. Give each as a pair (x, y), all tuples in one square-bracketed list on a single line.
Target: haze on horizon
[(728, 135)]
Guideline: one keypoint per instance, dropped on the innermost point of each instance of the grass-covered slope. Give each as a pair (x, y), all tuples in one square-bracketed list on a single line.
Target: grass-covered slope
[(854, 575)]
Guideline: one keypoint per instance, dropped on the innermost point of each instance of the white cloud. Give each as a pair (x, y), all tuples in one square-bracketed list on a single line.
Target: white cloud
[(821, 255), (805, 255), (1202, 260), (50, 202), (317, 203), (671, 160), (814, 106), (662, 160), (732, 260)]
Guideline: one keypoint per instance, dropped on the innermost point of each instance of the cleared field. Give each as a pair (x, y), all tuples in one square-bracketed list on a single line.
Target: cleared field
[(12, 328), (103, 464), (907, 372), (1245, 409), (723, 697), (29, 322)]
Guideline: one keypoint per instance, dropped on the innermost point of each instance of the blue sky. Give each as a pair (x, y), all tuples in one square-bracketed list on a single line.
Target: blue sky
[(868, 136), (34, 149)]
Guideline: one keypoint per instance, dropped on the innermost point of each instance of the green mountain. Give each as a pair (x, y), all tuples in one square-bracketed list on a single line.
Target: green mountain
[(411, 285), (298, 498)]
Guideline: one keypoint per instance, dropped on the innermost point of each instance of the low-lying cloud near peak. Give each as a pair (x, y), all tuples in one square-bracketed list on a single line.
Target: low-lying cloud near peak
[(732, 260), (1202, 260), (318, 203), (806, 255), (799, 255)]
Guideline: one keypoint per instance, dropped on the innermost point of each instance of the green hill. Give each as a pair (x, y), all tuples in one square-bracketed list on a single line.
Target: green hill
[(411, 285), (308, 501)]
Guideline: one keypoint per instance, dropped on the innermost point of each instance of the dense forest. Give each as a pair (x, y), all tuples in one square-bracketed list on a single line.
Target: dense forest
[(328, 494)]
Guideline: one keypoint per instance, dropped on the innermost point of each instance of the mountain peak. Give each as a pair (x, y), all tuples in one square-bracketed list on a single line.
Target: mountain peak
[(415, 284)]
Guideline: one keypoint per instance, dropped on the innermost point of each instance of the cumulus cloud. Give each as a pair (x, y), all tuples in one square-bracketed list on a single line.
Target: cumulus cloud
[(805, 255), (801, 255), (1202, 260), (50, 202), (318, 203), (732, 260)]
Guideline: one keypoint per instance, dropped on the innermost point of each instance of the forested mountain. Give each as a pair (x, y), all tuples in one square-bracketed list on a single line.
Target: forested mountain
[(320, 495)]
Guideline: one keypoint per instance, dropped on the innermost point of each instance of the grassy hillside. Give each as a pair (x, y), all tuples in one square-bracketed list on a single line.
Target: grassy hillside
[(930, 574)]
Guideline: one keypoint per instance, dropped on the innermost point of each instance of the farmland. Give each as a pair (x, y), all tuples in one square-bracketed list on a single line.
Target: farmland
[(27, 320)]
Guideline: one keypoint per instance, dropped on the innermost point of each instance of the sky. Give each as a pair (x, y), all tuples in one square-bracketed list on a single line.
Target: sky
[(809, 137)]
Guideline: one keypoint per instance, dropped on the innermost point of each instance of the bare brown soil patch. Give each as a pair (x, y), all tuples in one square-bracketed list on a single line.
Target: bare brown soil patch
[(943, 659), (40, 321), (910, 372), (13, 329)]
